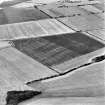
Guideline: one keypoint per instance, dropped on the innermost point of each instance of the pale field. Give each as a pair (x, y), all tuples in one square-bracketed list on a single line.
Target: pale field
[(86, 81), (66, 101), (4, 44), (98, 33), (82, 87), (84, 23), (16, 69), (57, 10), (33, 29), (101, 15)]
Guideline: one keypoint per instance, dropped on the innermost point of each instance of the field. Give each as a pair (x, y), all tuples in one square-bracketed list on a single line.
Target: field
[(49, 40)]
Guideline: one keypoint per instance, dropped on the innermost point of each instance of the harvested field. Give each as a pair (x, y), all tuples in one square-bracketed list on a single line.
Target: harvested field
[(32, 29), (66, 101), (60, 11), (101, 15), (21, 66), (16, 69), (98, 33), (83, 23), (90, 8), (85, 82), (100, 6)]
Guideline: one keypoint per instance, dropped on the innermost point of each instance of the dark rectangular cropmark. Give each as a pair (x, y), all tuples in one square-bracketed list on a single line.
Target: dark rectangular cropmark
[(54, 50)]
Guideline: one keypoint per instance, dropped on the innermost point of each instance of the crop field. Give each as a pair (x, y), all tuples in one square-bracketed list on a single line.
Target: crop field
[(16, 15), (50, 49), (56, 49), (32, 29)]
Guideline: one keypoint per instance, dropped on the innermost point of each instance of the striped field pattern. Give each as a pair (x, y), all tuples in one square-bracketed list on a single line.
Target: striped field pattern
[(32, 29)]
